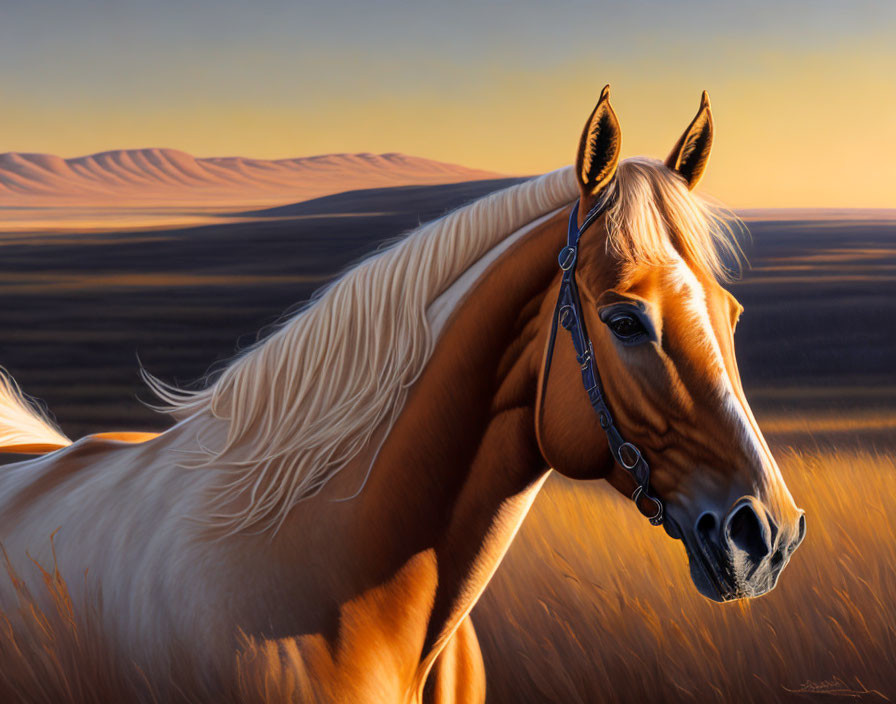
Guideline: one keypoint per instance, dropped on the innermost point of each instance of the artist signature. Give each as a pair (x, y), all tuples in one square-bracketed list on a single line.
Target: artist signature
[(836, 687)]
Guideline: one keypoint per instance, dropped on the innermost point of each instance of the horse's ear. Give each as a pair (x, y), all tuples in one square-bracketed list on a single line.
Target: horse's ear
[(599, 147), (690, 155)]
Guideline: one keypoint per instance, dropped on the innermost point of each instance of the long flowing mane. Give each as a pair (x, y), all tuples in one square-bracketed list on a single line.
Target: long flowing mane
[(301, 404)]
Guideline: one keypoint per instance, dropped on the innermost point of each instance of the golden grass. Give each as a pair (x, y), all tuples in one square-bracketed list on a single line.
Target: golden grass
[(53, 651), (590, 605), (826, 423)]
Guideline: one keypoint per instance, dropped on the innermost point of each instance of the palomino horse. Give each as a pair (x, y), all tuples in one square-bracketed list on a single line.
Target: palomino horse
[(350, 484)]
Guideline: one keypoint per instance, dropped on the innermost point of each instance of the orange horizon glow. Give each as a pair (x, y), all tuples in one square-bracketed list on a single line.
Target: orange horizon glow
[(798, 123)]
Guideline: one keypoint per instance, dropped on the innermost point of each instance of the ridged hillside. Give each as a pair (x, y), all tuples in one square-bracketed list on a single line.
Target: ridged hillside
[(167, 176)]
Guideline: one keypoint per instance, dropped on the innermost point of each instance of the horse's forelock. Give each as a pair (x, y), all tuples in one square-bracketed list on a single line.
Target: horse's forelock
[(653, 209)]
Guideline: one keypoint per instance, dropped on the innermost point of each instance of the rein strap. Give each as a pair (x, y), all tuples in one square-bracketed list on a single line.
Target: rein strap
[(568, 313)]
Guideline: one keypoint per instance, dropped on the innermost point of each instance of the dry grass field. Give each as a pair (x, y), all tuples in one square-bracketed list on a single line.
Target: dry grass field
[(590, 605)]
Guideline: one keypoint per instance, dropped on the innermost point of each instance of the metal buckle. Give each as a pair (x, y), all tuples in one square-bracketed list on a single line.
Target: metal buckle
[(567, 258), (657, 518), (621, 458), (567, 317), (584, 359)]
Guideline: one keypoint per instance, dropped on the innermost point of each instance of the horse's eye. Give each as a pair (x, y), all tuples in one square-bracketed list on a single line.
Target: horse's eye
[(627, 327)]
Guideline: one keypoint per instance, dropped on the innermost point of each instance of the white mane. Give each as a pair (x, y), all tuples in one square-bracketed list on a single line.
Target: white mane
[(23, 421), (304, 402)]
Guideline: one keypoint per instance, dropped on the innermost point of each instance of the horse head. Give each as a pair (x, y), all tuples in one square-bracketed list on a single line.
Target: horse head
[(662, 327)]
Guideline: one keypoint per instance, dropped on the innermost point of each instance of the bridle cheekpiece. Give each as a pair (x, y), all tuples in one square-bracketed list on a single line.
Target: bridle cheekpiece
[(568, 313)]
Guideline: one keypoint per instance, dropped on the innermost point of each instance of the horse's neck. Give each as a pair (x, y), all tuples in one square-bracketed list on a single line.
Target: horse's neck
[(457, 473), (404, 561), (486, 369)]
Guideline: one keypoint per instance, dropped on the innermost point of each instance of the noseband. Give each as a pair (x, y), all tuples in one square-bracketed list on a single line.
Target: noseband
[(568, 312)]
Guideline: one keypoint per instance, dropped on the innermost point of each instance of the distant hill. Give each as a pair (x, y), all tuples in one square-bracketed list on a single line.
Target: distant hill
[(158, 177), (429, 201)]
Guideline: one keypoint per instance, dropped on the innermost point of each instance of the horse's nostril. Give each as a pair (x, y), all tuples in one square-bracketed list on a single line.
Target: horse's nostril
[(744, 531), (706, 526)]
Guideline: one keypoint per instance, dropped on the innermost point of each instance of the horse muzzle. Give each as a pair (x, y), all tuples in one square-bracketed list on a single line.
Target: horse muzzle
[(739, 555)]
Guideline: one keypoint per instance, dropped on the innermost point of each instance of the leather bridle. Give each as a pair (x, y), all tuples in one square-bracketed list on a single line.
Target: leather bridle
[(568, 312)]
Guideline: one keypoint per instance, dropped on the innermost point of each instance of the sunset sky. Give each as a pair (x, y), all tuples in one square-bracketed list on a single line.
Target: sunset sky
[(804, 93)]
